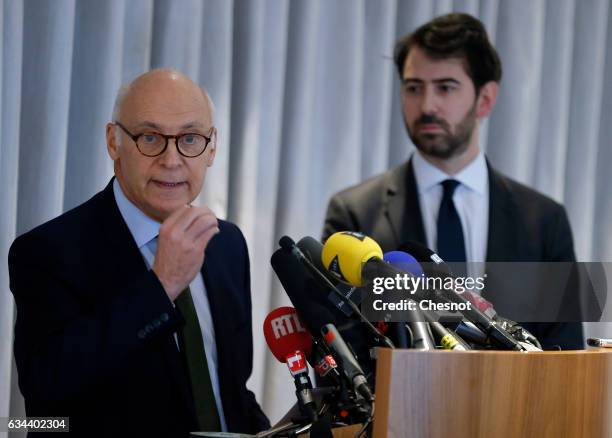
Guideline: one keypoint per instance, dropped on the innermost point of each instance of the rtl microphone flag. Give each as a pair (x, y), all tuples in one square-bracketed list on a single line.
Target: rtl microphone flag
[(285, 333)]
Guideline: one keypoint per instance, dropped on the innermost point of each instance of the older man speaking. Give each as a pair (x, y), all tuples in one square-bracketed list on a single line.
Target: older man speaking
[(134, 309)]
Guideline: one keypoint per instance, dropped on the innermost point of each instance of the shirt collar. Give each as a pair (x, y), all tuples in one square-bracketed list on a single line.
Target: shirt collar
[(474, 175), (143, 228)]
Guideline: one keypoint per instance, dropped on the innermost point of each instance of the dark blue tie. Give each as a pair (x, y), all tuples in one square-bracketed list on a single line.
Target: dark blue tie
[(451, 245)]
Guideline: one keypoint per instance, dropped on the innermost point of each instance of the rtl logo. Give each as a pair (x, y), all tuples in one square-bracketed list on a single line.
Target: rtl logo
[(286, 324)]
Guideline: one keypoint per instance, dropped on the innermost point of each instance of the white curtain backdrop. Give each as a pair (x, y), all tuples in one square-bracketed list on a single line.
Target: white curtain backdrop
[(307, 104)]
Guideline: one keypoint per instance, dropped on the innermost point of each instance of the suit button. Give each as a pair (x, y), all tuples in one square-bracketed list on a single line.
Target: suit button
[(142, 334), (148, 328), (164, 317), (156, 323)]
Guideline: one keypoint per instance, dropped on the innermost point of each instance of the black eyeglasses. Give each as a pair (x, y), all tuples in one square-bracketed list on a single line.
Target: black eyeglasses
[(152, 144)]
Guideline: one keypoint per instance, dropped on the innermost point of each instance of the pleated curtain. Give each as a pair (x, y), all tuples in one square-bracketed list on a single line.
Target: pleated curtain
[(307, 103)]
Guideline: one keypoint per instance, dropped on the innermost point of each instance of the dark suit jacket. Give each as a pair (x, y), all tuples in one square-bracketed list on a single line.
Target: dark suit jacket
[(94, 331), (523, 226)]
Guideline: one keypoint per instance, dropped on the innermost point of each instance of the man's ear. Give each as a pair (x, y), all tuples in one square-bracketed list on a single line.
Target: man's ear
[(111, 141), (486, 99), (212, 148)]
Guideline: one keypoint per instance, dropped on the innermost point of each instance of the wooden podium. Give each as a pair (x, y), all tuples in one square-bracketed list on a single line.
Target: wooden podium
[(493, 394)]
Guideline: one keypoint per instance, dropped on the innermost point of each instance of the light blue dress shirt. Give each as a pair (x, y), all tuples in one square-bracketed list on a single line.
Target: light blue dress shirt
[(144, 231), (471, 199)]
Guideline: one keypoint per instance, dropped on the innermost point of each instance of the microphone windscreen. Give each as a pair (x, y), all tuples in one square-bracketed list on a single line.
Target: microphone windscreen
[(404, 261), (285, 333), (313, 250), (345, 253), (308, 297), (286, 243)]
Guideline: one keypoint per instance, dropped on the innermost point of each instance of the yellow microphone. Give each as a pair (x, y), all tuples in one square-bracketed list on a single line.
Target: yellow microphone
[(345, 253)]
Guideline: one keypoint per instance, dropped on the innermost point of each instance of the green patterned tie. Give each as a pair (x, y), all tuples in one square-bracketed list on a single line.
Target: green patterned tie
[(192, 349)]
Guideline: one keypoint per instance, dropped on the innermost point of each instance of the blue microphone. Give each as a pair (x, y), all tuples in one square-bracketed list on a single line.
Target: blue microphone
[(421, 334)]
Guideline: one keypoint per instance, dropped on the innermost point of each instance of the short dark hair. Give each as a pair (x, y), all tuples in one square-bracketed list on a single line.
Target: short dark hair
[(454, 36)]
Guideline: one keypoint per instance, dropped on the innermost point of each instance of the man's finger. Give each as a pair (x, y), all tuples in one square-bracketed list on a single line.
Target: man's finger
[(203, 239), (187, 219), (200, 225), (180, 220), (175, 216)]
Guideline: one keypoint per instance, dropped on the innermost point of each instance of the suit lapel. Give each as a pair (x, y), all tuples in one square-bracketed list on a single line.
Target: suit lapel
[(216, 300), (122, 249), (402, 208), (220, 301), (118, 239), (502, 240)]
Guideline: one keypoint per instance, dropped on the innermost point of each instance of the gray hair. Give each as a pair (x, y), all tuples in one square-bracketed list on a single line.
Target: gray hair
[(125, 89)]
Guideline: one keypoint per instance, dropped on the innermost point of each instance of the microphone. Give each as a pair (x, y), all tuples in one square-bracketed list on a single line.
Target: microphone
[(289, 246), (512, 327), (325, 365), (355, 259), (481, 304), (421, 335), (434, 265), (448, 340), (310, 303), (305, 294), (312, 249), (289, 342), (497, 334), (439, 267), (284, 333), (351, 368), (468, 330), (404, 261)]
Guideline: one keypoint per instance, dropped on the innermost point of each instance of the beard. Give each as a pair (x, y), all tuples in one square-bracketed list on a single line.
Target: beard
[(451, 142)]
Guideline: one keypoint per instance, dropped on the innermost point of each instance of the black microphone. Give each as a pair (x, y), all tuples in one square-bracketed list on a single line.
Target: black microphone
[(515, 329), (351, 367), (298, 368), (303, 291), (311, 304), (434, 265), (289, 245), (312, 249), (467, 330), (323, 362), (440, 268), (498, 336), (448, 340), (421, 336)]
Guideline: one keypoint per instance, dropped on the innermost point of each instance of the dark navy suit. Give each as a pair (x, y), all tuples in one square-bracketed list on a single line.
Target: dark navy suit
[(94, 335)]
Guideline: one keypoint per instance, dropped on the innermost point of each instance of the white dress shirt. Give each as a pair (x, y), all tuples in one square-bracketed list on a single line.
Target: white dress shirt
[(471, 199), (144, 231)]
